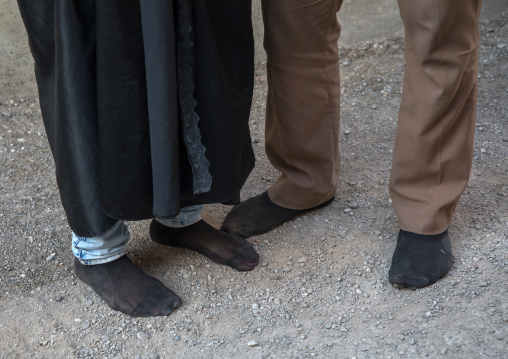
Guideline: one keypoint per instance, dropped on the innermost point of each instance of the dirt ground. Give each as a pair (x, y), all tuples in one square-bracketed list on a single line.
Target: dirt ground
[(321, 289)]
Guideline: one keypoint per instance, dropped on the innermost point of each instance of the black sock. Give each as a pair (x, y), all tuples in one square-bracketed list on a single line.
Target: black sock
[(420, 260), (126, 288), (220, 247), (259, 214)]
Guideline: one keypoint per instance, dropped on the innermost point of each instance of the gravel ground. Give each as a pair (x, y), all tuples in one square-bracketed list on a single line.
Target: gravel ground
[(321, 289)]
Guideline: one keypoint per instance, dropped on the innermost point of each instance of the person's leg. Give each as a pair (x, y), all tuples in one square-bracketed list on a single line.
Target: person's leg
[(188, 230), (62, 33), (101, 263), (302, 114), (434, 143)]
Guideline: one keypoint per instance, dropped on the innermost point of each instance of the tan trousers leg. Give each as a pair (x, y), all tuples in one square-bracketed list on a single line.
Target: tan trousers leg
[(302, 112), (434, 144)]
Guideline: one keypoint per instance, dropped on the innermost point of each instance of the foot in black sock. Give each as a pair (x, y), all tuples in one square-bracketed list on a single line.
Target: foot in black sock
[(259, 214), (220, 247), (420, 260), (126, 288)]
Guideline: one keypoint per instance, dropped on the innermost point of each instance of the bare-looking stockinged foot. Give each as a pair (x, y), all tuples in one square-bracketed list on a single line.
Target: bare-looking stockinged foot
[(420, 260), (220, 247), (126, 288), (259, 215)]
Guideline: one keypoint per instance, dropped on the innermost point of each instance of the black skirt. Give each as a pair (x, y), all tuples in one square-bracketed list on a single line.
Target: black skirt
[(145, 103)]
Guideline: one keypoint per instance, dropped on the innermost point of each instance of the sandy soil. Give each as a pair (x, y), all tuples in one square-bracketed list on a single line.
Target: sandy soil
[(321, 289)]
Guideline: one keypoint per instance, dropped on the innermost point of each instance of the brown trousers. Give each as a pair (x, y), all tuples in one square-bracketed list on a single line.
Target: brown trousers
[(434, 143)]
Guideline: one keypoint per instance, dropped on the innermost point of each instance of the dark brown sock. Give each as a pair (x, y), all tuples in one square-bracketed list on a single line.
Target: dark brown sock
[(126, 288), (220, 247)]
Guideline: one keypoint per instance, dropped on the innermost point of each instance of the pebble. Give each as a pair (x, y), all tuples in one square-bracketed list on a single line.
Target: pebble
[(255, 306), (252, 343), (176, 338), (105, 338), (143, 336), (347, 210), (302, 260), (50, 257)]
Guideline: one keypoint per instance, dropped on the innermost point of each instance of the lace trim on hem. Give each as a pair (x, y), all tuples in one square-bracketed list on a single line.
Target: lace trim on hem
[(202, 179)]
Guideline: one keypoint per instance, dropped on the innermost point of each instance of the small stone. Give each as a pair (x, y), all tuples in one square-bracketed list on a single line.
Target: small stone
[(277, 301), (143, 336), (347, 210), (500, 46), (105, 338), (255, 306), (347, 132), (353, 205), (176, 338), (302, 260), (484, 284), (359, 292), (50, 257), (252, 343)]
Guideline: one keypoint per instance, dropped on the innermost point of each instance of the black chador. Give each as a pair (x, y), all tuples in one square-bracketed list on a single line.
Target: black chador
[(145, 103)]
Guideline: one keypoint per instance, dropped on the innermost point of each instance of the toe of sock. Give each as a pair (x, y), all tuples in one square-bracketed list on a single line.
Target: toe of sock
[(410, 282), (243, 262), (159, 301)]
